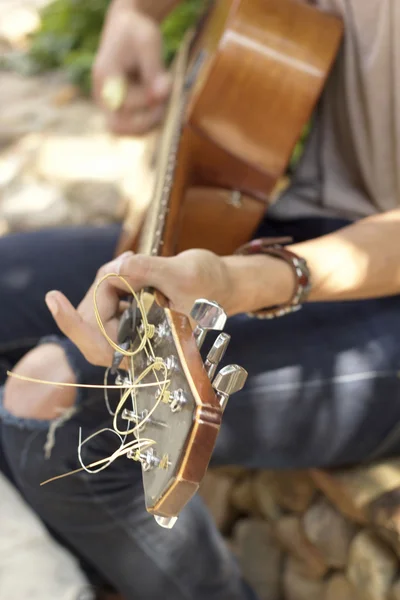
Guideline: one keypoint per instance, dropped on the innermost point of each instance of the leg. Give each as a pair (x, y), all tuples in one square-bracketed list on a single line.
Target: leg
[(323, 387), (29, 265), (102, 516), (32, 264)]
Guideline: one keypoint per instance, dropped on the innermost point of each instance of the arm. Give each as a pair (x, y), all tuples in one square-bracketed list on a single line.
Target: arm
[(130, 81), (156, 9), (358, 261)]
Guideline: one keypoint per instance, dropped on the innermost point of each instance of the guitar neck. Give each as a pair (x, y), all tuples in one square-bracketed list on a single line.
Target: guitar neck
[(168, 185)]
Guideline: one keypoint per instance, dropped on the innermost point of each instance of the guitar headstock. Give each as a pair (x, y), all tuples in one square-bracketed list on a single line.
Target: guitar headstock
[(181, 417)]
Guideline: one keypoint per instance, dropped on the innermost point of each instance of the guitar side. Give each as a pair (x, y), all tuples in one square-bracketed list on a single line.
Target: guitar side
[(259, 69), (256, 89)]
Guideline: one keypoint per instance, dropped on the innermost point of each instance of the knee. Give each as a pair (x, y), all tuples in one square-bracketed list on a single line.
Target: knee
[(31, 400)]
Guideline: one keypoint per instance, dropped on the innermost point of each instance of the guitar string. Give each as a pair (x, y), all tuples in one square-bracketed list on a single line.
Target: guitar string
[(128, 388)]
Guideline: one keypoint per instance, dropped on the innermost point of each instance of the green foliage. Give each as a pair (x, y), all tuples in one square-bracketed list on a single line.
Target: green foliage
[(299, 148), (175, 26), (70, 34), (68, 37)]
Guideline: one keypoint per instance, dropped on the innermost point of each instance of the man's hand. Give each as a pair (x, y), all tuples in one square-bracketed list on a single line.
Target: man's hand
[(129, 78), (182, 279)]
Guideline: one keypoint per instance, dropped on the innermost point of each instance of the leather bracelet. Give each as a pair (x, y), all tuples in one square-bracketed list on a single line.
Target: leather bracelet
[(275, 247)]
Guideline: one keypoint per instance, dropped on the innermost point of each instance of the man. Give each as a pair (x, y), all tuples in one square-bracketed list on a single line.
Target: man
[(323, 385)]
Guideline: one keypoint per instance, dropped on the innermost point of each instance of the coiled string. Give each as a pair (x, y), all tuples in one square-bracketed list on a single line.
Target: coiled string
[(129, 386)]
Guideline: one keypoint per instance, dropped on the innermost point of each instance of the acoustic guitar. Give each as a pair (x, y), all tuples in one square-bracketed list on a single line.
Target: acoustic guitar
[(245, 85)]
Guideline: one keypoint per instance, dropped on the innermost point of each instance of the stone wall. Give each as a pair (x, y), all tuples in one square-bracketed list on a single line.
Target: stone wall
[(312, 535)]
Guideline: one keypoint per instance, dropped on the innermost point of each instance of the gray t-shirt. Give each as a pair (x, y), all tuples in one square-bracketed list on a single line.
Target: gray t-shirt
[(350, 167)]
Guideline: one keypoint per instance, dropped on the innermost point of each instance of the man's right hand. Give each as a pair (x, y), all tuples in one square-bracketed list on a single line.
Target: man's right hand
[(129, 77)]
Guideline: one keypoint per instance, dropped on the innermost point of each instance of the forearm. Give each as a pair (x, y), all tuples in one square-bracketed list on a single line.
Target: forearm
[(157, 9), (358, 261)]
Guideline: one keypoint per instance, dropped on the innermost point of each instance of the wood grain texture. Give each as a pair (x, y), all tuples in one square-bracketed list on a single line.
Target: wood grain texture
[(240, 100), (206, 423)]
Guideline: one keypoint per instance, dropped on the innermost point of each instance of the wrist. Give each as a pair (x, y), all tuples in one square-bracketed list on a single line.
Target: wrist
[(155, 9), (258, 281)]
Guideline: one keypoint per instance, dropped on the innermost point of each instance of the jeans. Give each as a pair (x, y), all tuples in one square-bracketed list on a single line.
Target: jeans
[(323, 390)]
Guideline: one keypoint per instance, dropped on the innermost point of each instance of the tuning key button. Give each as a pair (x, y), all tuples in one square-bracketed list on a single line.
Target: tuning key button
[(229, 380), (162, 332), (208, 316), (216, 353), (177, 401), (171, 363), (166, 522)]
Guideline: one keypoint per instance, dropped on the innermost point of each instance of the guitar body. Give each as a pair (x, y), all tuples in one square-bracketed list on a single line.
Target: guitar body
[(243, 90), (257, 69)]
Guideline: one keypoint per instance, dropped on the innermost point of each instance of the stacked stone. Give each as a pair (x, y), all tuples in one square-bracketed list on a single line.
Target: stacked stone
[(312, 535)]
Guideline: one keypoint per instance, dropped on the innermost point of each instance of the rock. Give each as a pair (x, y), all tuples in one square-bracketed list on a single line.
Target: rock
[(31, 205), (260, 557), (26, 107), (352, 490), (394, 593), (294, 490), (16, 160), (339, 588), (216, 491), (298, 587), (5, 47), (243, 496), (329, 532), (234, 472), (4, 227), (17, 22), (10, 168), (70, 158), (265, 496), (66, 95), (95, 201), (384, 513), (34, 104), (372, 567), (289, 533)]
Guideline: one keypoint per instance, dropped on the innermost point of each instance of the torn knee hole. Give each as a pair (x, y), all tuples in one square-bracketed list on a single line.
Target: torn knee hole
[(27, 401), (31, 400)]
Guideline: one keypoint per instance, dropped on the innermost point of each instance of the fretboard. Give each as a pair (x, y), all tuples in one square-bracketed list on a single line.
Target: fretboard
[(151, 237)]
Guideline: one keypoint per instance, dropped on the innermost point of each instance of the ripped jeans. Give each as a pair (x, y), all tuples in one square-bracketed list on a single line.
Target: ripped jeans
[(323, 390)]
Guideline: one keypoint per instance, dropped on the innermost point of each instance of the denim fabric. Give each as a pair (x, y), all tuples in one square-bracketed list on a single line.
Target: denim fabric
[(323, 390)]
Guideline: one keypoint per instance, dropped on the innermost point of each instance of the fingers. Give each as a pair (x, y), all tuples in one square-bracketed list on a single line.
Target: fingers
[(138, 270), (89, 340), (135, 123), (129, 78), (82, 327), (148, 43)]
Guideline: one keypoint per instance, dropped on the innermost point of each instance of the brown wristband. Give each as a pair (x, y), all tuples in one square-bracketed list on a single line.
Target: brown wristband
[(274, 247)]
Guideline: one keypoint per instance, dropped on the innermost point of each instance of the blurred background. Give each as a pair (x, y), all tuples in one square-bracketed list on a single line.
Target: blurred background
[(58, 164), (298, 536)]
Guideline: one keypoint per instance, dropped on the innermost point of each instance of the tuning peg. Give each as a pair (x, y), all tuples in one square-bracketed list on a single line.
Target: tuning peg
[(166, 522), (229, 380), (216, 354), (208, 316)]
